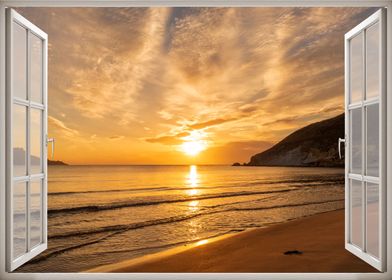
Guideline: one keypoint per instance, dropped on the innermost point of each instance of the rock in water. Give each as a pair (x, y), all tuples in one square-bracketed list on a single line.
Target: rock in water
[(293, 252), (56, 162)]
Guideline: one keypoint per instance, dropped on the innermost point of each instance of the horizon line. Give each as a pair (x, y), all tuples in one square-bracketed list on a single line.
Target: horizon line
[(137, 164)]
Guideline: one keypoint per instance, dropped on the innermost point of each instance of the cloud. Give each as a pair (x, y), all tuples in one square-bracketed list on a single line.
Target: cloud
[(235, 74), (118, 74), (165, 115), (248, 108), (296, 120), (102, 58), (57, 125), (175, 139), (116, 137), (209, 123)]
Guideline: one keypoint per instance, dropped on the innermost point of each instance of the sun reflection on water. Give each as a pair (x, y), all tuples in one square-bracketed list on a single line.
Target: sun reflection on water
[(193, 203), (193, 177), (192, 192), (201, 242), (192, 181), (192, 206)]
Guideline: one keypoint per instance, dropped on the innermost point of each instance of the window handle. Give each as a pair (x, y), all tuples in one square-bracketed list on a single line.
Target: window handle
[(340, 141), (51, 140)]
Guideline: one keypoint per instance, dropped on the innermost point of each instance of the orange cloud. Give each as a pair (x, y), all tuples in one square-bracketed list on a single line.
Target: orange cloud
[(169, 139), (154, 75), (60, 127), (209, 123)]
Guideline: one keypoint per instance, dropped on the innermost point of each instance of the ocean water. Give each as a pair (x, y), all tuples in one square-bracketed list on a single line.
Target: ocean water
[(105, 214)]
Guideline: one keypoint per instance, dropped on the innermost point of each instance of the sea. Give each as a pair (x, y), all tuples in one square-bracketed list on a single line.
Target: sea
[(100, 215)]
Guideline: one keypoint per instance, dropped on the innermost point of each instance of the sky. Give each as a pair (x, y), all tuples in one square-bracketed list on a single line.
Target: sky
[(189, 85)]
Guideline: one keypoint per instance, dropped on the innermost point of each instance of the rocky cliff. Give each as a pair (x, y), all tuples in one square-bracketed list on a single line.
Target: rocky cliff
[(313, 145)]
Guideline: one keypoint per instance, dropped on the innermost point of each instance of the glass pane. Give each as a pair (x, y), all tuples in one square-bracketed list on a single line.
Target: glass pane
[(356, 141), (356, 212), (35, 141), (36, 68), (19, 57), (35, 213), (356, 68), (19, 139), (372, 61), (372, 219), (19, 216), (372, 140)]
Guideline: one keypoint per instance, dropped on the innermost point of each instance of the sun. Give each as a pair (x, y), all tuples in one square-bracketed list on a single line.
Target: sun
[(194, 143), (193, 148)]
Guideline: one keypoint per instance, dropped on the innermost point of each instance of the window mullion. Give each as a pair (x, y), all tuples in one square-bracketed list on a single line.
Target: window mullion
[(364, 185), (28, 144)]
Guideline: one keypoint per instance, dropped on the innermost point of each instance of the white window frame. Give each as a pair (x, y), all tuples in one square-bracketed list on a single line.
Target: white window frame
[(193, 3), (14, 17), (381, 179)]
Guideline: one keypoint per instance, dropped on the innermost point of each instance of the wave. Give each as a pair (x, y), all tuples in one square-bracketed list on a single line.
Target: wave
[(319, 179), (181, 218), (165, 246), (94, 208), (44, 256), (316, 181), (108, 191), (204, 207), (118, 229)]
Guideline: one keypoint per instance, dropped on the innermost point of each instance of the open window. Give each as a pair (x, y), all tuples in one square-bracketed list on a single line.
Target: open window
[(365, 129), (26, 140), (365, 125)]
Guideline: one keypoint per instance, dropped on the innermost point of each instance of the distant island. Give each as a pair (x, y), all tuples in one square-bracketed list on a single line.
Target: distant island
[(56, 162), (20, 157), (312, 145)]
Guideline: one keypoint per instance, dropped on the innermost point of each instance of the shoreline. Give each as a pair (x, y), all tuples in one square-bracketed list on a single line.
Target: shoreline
[(319, 238)]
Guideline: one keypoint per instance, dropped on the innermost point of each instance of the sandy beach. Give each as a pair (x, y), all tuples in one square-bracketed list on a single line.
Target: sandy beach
[(318, 238)]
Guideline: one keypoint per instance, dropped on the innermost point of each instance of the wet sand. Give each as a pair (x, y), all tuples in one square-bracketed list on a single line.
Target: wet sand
[(319, 239)]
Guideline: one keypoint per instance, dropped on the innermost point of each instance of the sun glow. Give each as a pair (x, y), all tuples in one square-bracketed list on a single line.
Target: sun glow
[(193, 148), (194, 143)]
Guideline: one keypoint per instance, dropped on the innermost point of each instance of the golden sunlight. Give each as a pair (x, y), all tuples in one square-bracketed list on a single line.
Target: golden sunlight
[(192, 181), (193, 148), (192, 192), (193, 205), (194, 143), (193, 178), (201, 242)]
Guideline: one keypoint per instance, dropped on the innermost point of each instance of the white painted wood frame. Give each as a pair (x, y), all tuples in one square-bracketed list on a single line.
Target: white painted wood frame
[(379, 19), (16, 20)]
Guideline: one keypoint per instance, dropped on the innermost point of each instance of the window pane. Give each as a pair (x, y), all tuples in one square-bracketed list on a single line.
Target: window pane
[(36, 145), (19, 216), (19, 57), (356, 68), (36, 68), (372, 221), (356, 141), (372, 61), (19, 139), (356, 212), (372, 140), (35, 213)]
